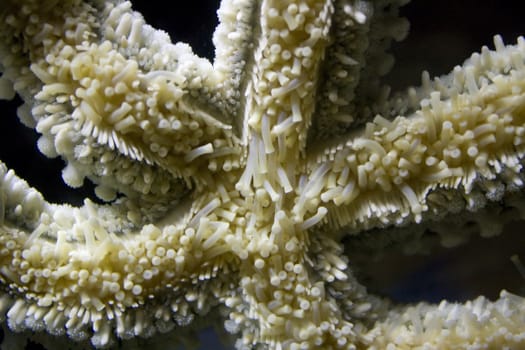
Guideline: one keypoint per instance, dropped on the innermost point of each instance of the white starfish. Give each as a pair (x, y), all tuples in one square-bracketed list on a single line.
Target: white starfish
[(231, 186)]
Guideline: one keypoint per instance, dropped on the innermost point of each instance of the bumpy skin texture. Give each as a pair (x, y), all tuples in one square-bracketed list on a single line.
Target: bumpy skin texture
[(237, 181)]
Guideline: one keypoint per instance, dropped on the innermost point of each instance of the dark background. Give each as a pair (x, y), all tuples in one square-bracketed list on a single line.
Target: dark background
[(443, 34)]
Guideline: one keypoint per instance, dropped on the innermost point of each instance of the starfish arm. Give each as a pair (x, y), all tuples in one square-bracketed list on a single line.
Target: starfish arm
[(356, 59), (136, 105), (281, 90), (477, 323), (93, 273), (233, 45), (280, 302), (466, 139), (380, 324)]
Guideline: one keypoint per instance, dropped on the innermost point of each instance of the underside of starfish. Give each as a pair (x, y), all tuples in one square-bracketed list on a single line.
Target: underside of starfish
[(237, 191)]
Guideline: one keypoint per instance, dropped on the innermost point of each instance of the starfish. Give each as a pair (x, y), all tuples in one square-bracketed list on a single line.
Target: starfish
[(232, 187)]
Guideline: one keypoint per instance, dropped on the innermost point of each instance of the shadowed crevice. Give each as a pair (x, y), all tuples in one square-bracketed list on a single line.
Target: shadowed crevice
[(480, 266)]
